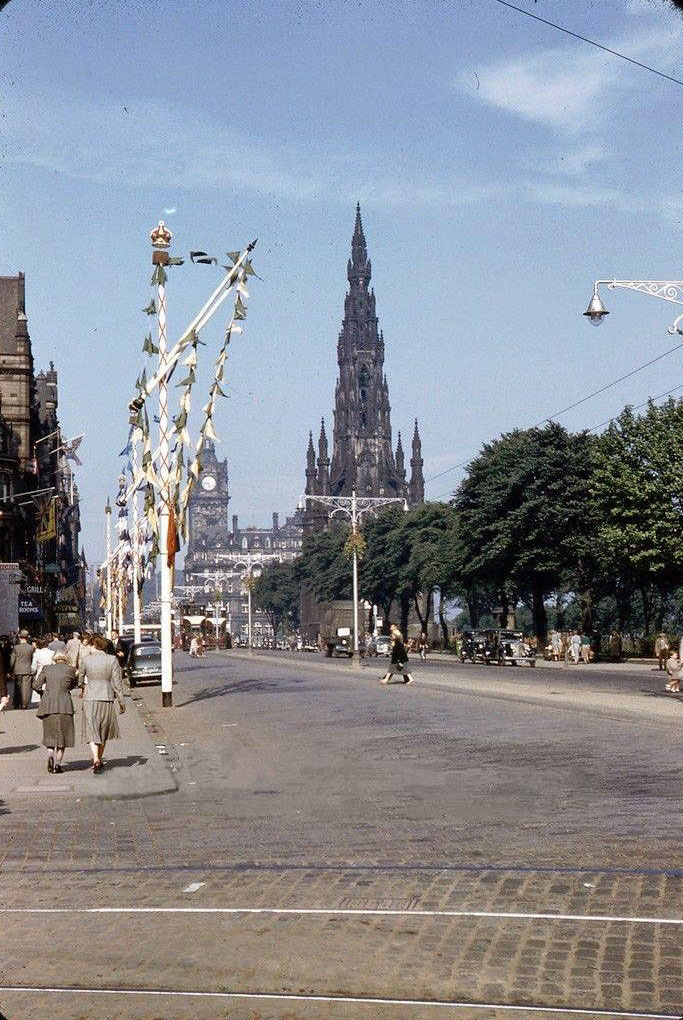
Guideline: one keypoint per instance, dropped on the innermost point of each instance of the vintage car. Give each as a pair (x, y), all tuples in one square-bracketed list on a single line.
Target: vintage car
[(510, 646), (144, 663), (477, 646)]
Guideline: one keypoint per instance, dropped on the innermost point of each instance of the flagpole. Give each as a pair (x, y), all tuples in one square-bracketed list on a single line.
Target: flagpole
[(107, 604), (161, 240), (137, 630)]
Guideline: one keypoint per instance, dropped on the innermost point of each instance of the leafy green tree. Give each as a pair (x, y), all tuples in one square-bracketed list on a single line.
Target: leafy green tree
[(324, 567), (637, 488), (523, 513), (385, 555), (277, 591)]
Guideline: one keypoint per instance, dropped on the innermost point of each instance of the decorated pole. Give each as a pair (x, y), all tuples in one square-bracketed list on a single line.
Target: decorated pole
[(161, 240), (107, 604), (137, 630)]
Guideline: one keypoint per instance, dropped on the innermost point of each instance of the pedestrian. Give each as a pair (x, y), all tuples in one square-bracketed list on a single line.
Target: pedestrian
[(100, 677), (58, 678), (585, 648), (42, 656), (20, 664), (399, 659), (424, 646), (200, 646), (575, 646), (615, 645), (55, 643), (73, 649), (194, 649), (662, 649), (674, 668), (4, 697), (555, 644)]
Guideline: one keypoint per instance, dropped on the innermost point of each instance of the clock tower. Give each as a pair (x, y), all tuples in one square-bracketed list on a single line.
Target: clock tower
[(208, 512)]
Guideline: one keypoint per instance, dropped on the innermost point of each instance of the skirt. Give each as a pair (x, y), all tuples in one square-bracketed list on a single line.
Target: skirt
[(99, 722), (58, 730)]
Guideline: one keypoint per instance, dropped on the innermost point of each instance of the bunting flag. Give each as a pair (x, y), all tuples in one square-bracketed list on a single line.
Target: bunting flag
[(69, 448), (203, 258)]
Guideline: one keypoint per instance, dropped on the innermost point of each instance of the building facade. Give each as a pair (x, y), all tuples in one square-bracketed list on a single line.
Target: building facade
[(220, 555), (39, 506)]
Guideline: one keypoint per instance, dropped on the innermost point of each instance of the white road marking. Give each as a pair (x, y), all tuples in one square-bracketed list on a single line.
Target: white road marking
[(193, 886), (348, 911), (283, 997)]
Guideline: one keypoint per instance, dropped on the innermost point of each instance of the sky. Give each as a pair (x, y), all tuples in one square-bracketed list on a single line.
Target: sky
[(501, 167)]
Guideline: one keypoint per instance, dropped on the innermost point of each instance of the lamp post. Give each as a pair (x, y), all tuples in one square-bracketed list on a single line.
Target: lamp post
[(108, 607), (355, 507), (665, 290), (249, 562), (137, 629)]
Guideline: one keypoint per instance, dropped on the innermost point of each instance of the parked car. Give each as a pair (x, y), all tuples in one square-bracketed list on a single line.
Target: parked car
[(380, 645), (144, 662), (511, 648), (477, 646)]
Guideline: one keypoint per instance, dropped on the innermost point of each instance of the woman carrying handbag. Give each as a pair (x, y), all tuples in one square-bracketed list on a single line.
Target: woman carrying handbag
[(56, 681)]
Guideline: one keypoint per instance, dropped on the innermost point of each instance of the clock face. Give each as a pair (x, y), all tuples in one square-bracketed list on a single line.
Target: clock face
[(208, 483)]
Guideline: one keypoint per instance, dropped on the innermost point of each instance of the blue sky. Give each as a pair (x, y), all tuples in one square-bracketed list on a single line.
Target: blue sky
[(501, 167)]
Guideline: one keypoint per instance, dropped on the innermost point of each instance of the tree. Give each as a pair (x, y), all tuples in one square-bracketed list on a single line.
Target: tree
[(523, 512), (323, 567), (277, 591), (637, 488), (380, 569)]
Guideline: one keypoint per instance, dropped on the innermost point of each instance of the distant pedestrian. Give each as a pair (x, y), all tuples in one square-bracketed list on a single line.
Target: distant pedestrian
[(575, 646), (200, 646), (194, 648), (42, 657), (424, 646), (100, 676), (586, 648), (20, 664), (556, 645), (4, 697), (57, 680), (615, 645), (674, 668), (399, 659), (73, 649), (55, 643), (662, 649)]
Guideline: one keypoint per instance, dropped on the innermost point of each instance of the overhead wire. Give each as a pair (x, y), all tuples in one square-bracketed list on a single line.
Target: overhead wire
[(577, 403), (591, 42)]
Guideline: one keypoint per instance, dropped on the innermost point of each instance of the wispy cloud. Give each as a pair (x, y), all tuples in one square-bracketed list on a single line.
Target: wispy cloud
[(564, 88), (96, 139)]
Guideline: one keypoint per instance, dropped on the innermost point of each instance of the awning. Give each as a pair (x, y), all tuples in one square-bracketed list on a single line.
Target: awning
[(194, 621)]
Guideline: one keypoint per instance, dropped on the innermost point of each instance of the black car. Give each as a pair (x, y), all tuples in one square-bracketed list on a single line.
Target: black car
[(144, 662)]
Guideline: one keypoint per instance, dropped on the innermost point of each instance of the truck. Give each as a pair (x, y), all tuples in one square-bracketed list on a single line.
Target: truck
[(336, 628)]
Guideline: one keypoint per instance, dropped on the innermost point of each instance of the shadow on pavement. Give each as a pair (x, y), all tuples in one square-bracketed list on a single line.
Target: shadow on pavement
[(262, 685), (84, 765), (19, 749)]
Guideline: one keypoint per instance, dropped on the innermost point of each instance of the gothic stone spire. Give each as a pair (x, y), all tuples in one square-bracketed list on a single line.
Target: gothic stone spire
[(417, 482)]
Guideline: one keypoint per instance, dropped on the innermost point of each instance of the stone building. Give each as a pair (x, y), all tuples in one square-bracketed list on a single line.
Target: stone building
[(362, 454), (363, 458), (219, 554), (34, 474)]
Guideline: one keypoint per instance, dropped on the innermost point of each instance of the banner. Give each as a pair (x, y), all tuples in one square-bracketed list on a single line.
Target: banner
[(47, 523)]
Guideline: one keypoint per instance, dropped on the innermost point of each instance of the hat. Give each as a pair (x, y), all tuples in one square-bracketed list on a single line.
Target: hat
[(77, 633), (23, 633)]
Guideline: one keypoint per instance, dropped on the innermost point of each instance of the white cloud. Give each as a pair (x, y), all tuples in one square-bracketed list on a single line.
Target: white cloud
[(564, 88)]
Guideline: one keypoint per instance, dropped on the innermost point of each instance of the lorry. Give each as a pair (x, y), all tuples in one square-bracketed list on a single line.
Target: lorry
[(336, 628)]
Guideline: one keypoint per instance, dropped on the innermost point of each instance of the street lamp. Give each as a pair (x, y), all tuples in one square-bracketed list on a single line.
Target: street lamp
[(666, 290), (355, 507), (248, 563)]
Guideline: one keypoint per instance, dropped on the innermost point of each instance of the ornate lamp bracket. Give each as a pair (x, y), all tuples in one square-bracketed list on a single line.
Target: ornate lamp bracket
[(666, 290)]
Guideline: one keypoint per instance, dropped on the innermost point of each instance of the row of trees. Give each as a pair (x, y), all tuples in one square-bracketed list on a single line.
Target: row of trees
[(579, 529)]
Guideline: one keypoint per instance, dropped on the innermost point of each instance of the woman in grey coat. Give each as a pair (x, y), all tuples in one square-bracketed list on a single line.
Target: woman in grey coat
[(56, 708), (100, 676)]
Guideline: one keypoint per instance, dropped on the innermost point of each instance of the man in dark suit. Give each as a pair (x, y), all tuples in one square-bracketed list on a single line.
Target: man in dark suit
[(20, 664)]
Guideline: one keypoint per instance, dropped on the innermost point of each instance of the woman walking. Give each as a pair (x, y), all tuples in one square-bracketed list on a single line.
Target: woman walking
[(42, 657), (100, 677), (57, 680), (399, 659)]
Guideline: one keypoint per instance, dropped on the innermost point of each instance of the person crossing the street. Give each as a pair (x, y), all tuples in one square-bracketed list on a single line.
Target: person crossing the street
[(399, 659)]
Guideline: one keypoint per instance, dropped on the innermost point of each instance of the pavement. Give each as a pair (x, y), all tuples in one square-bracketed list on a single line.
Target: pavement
[(340, 850), (134, 764)]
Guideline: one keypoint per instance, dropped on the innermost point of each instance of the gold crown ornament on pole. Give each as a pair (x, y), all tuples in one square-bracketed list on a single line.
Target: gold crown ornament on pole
[(161, 238)]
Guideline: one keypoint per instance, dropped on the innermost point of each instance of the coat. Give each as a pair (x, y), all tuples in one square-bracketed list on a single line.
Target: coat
[(59, 679), (101, 674), (399, 654), (20, 661), (73, 649)]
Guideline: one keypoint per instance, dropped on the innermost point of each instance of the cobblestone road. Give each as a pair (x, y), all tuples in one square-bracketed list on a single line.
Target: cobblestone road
[(303, 790)]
